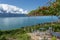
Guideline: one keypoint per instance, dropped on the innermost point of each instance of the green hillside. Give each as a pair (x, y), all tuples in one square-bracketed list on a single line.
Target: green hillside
[(53, 9)]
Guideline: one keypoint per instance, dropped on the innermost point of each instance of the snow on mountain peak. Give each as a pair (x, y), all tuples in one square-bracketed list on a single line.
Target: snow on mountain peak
[(5, 8)]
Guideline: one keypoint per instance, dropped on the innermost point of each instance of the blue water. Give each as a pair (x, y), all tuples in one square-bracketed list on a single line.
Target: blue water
[(9, 23)]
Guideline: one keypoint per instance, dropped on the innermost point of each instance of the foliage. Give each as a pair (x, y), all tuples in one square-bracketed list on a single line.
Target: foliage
[(3, 38), (53, 9), (54, 38), (21, 34)]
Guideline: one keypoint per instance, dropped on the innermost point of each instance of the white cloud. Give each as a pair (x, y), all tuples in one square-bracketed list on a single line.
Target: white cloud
[(12, 9)]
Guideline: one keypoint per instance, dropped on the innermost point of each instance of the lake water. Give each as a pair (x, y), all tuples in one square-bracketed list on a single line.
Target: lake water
[(9, 23)]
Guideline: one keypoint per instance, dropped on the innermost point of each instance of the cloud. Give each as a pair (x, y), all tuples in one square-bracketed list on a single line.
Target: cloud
[(12, 9)]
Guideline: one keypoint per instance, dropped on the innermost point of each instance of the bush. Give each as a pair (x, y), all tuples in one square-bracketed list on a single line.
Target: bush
[(54, 38)]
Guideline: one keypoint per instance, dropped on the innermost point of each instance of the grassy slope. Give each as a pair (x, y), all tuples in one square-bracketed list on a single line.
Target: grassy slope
[(21, 34)]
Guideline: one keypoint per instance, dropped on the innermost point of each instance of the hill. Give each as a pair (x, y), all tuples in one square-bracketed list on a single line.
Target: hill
[(53, 9)]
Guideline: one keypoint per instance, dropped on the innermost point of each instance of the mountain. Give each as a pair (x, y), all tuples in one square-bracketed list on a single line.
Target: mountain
[(11, 11), (52, 10), (12, 15)]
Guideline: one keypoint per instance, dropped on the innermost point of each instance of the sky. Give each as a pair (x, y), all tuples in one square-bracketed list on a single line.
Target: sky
[(25, 4)]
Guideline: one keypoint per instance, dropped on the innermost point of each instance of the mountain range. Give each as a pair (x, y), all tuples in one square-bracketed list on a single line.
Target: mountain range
[(11, 11)]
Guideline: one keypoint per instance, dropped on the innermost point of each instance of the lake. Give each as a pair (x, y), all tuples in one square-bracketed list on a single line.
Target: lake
[(9, 23)]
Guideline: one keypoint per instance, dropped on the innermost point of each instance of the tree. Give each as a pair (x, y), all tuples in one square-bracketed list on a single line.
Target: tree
[(53, 9)]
